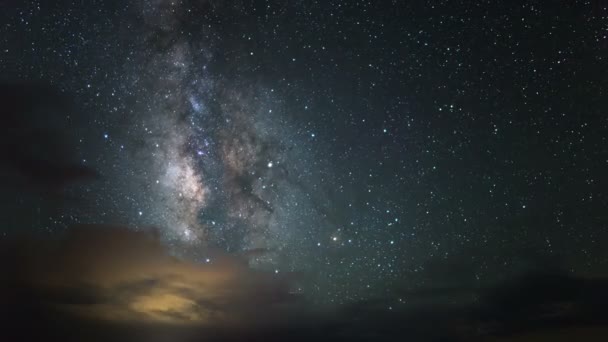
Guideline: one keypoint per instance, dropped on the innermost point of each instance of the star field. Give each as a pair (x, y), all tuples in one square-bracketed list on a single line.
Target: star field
[(354, 143)]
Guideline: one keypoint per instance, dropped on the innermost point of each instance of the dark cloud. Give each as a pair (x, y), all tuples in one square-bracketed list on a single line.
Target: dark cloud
[(544, 301), (139, 278), (111, 283), (34, 153), (117, 276)]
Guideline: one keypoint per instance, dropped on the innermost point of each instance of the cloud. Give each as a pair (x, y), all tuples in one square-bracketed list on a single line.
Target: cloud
[(33, 152), (112, 283), (116, 274)]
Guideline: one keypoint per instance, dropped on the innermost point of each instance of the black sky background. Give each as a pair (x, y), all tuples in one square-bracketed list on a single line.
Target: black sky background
[(395, 171)]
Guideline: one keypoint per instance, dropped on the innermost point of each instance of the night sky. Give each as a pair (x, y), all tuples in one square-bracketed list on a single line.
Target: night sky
[(337, 152)]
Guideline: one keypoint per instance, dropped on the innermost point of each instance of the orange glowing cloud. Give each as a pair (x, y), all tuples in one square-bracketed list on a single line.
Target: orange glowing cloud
[(116, 274)]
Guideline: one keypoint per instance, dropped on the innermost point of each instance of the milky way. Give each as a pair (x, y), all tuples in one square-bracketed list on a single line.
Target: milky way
[(179, 191), (215, 169)]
